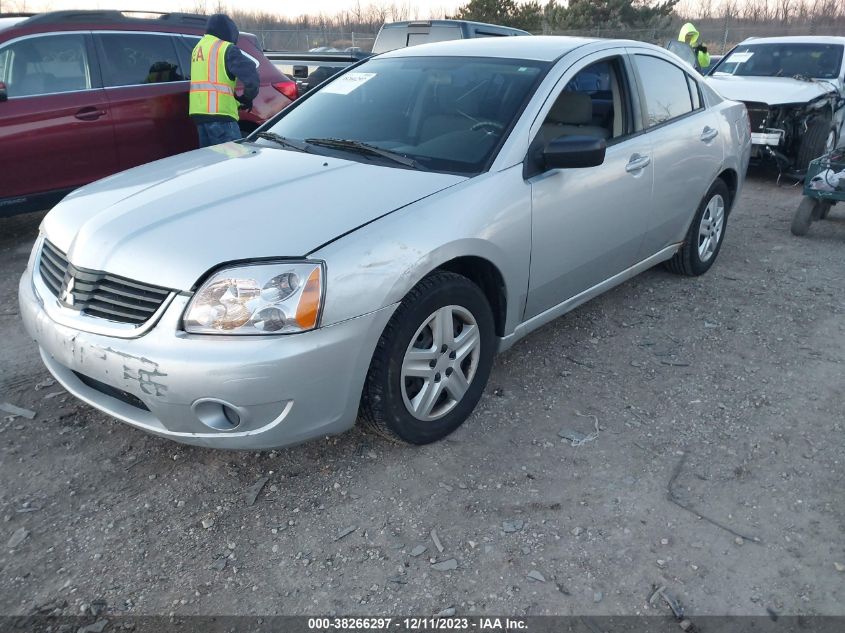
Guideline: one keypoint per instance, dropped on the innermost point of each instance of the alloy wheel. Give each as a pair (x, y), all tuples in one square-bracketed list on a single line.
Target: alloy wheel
[(440, 362), (711, 227)]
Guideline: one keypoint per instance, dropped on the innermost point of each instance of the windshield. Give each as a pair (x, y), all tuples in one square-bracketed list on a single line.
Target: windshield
[(820, 61), (445, 113)]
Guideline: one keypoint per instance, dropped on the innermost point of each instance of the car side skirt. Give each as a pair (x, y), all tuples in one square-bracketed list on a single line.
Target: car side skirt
[(35, 202), (560, 309)]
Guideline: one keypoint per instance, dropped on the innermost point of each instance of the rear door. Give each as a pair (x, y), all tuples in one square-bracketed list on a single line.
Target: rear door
[(688, 152), (56, 127), (147, 89)]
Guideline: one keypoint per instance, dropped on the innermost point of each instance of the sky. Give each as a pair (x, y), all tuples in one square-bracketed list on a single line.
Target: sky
[(289, 8)]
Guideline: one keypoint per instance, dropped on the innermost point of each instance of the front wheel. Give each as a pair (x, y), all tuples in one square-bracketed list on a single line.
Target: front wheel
[(804, 216), (432, 361), (704, 238)]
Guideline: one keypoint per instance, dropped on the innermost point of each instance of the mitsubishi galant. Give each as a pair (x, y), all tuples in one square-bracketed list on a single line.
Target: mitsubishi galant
[(366, 253)]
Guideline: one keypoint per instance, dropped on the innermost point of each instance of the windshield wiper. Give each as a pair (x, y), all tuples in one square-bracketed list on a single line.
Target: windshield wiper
[(366, 148), (284, 142)]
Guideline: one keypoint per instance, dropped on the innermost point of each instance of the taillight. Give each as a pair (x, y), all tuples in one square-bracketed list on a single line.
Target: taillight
[(287, 88)]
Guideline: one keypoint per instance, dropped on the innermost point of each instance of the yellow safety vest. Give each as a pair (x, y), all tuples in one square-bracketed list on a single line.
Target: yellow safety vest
[(212, 92)]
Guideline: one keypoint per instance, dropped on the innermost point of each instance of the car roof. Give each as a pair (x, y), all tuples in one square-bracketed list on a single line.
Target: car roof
[(796, 39), (407, 23), (537, 47), (111, 19)]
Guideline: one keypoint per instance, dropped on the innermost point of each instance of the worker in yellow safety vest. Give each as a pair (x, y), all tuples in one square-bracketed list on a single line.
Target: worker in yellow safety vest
[(690, 36), (216, 66)]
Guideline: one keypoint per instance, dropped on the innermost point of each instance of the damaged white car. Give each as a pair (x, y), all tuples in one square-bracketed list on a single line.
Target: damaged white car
[(793, 90)]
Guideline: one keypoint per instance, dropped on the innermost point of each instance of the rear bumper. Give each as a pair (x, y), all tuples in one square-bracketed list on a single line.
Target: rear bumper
[(284, 389)]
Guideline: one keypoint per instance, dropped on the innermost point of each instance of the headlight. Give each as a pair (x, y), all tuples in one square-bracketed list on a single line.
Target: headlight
[(277, 298)]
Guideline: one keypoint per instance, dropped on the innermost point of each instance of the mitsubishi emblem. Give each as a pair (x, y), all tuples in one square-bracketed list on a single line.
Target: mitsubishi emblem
[(67, 293)]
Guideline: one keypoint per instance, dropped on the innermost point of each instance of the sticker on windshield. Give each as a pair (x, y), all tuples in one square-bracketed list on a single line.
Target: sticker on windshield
[(739, 58), (345, 84)]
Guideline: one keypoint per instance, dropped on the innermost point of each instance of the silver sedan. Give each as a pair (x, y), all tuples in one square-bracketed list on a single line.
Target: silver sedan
[(367, 253)]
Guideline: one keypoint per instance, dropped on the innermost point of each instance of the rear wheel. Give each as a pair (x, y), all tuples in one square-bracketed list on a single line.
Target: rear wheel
[(432, 362), (706, 233)]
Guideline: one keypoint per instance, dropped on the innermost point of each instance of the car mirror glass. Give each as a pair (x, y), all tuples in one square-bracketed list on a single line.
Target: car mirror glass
[(574, 152), (300, 72), (4, 94)]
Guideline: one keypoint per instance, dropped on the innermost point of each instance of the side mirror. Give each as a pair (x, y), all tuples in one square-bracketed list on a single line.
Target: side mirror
[(573, 152), (300, 72), (4, 95)]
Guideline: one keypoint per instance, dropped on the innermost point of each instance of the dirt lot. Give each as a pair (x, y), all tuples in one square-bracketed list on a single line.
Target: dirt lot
[(728, 388)]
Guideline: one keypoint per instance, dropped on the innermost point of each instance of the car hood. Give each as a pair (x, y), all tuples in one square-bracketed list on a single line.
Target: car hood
[(769, 90), (169, 222)]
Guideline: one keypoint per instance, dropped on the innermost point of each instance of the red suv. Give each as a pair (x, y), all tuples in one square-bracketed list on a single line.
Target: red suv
[(84, 94)]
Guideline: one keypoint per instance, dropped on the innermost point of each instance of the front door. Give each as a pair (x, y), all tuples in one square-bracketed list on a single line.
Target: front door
[(588, 224), (56, 129)]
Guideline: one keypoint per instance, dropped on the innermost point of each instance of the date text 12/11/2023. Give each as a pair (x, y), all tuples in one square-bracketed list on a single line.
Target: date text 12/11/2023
[(430, 623)]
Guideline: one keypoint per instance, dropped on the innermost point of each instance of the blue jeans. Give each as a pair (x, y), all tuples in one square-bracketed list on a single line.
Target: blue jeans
[(216, 132)]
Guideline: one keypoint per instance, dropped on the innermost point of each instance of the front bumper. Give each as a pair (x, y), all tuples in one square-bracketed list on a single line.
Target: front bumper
[(284, 389), (772, 138)]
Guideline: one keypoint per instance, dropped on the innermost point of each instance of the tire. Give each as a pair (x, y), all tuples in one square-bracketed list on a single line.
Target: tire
[(803, 216), (814, 143), (696, 255), (390, 394)]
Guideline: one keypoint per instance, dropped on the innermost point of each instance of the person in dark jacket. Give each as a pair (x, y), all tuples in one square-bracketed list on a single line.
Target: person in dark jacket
[(216, 66)]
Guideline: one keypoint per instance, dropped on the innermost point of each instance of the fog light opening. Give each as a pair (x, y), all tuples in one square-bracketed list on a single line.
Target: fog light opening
[(218, 415), (232, 416)]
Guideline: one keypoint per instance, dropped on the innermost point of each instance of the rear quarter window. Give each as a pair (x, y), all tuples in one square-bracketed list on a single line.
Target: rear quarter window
[(390, 38)]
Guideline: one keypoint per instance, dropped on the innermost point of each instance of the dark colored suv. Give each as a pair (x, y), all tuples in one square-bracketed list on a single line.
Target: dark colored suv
[(84, 94)]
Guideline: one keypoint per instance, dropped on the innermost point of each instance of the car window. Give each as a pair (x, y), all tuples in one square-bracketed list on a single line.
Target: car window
[(45, 65), (595, 102), (437, 33), (667, 93), (447, 113), (138, 58), (390, 38), (786, 59)]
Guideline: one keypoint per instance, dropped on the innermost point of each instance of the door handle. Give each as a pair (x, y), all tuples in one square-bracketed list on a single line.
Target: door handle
[(637, 162), (708, 134), (89, 114)]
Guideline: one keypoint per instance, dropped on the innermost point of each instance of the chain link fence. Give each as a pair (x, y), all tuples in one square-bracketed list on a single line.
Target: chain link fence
[(309, 39), (718, 34)]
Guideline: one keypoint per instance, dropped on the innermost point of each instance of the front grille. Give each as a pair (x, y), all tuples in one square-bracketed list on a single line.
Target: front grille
[(98, 294), (758, 113), (114, 392)]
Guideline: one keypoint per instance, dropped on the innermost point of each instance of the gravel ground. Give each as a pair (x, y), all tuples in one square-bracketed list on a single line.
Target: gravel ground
[(717, 471)]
